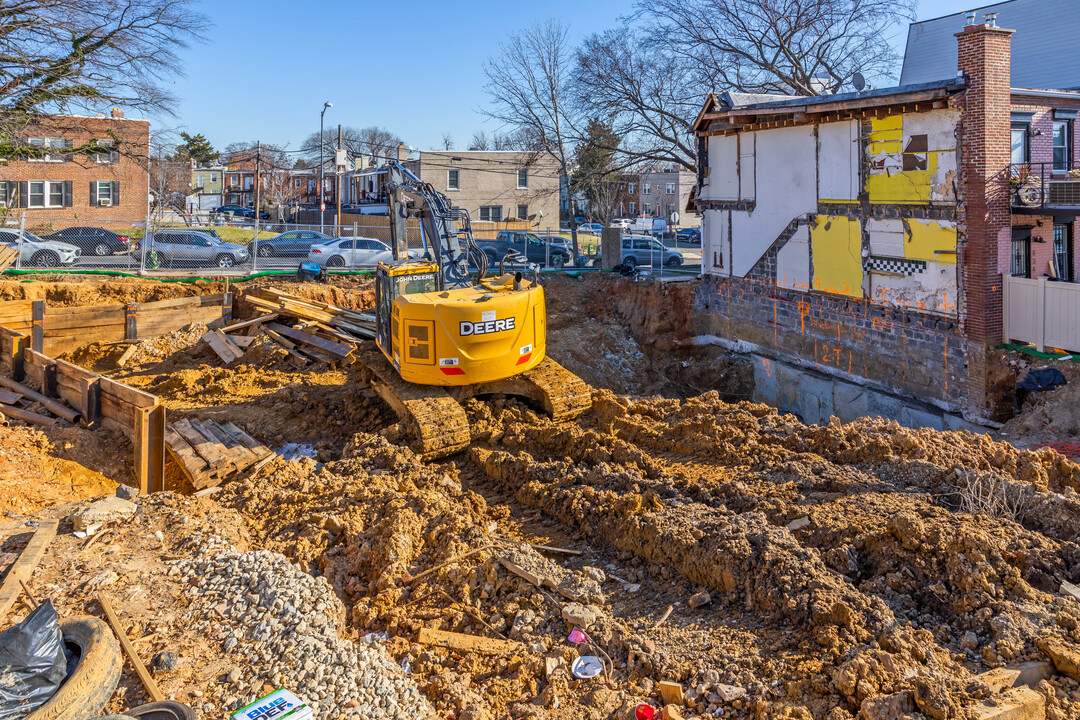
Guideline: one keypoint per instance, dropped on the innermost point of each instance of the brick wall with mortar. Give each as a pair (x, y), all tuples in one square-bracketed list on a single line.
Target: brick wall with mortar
[(985, 211), (129, 171)]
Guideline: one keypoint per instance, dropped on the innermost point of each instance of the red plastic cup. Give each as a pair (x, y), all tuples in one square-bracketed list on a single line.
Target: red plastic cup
[(644, 711)]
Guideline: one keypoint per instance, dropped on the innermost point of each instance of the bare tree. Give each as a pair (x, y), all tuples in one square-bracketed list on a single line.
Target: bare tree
[(649, 93), (170, 175), (517, 140), (447, 141), (803, 47), (61, 56), (652, 73), (370, 141), (279, 188), (529, 85)]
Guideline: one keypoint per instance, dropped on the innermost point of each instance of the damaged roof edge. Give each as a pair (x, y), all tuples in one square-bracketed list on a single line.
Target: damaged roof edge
[(804, 103)]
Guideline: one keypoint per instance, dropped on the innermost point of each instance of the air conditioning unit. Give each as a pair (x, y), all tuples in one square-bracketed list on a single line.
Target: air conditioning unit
[(104, 202)]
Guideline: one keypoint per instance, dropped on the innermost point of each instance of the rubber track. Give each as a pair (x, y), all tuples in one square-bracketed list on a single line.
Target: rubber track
[(565, 395)]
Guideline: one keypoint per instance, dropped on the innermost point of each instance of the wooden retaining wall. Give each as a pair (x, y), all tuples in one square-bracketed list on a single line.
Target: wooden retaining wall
[(31, 332)]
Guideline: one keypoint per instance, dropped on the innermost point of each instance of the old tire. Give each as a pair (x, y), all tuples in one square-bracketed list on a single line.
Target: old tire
[(225, 261), (166, 710), (89, 687)]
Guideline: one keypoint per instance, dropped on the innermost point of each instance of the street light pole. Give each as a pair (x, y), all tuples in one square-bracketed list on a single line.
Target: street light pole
[(326, 105)]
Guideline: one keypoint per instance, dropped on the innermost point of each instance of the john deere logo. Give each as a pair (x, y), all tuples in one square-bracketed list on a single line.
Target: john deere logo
[(483, 328)]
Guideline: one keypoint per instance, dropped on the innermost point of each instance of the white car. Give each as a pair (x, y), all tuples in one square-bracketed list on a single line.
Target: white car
[(36, 252), (351, 252)]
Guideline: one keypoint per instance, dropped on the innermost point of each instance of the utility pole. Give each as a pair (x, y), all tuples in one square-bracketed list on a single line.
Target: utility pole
[(338, 174), (322, 145)]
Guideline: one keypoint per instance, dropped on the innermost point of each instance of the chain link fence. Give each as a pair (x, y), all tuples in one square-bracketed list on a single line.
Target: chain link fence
[(213, 244)]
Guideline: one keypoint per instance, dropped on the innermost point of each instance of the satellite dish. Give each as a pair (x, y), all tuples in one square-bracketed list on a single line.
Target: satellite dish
[(858, 81)]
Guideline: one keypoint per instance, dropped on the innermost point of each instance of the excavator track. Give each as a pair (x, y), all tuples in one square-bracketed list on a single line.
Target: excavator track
[(431, 418), (433, 423)]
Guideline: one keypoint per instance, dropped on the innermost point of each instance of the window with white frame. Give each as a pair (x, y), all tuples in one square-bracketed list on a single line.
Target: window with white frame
[(59, 144), (645, 188), (453, 179), (633, 207), (104, 193), (646, 208), (523, 212), (491, 213), (631, 188), (298, 183), (523, 179), (44, 194), (201, 182), (670, 189), (106, 157), (4, 193), (249, 181), (1062, 144)]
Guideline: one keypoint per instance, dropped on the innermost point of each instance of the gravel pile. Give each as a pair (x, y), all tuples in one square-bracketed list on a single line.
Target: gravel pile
[(282, 627)]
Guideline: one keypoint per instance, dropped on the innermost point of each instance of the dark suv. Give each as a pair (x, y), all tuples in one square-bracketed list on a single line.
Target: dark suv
[(534, 247)]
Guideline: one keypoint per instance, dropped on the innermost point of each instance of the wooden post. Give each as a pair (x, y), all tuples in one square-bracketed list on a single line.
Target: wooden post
[(91, 401), (150, 448), (14, 346), (226, 308), (131, 325), (37, 339)]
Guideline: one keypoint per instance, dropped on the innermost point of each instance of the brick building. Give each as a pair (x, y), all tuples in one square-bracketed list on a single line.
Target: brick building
[(860, 245), (664, 191), (62, 185), (495, 186)]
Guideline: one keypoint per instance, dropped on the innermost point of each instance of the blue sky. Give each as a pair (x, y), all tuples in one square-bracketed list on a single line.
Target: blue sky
[(414, 68)]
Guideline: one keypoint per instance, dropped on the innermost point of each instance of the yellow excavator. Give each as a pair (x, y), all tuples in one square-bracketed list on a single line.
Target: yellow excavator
[(445, 334)]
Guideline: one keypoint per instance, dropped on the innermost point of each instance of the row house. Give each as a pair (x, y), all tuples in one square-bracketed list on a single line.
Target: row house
[(54, 187), (863, 246)]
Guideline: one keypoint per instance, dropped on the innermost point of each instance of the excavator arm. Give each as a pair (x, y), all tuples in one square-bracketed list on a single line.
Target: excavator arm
[(446, 231)]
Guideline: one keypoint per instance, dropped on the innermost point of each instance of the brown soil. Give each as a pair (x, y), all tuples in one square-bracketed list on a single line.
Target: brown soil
[(36, 469), (1046, 417), (887, 592)]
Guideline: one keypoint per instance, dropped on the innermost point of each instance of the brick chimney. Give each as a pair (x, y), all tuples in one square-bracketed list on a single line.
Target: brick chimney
[(117, 114), (984, 60)]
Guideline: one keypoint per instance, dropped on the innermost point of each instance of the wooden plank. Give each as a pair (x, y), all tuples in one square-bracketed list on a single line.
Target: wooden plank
[(43, 370), (337, 349), (140, 669), (13, 345), (207, 449), (191, 301), (468, 643), (128, 394), (150, 448), (65, 369), (246, 440), (37, 331), (225, 348), (242, 341), (23, 568), (247, 323), (194, 467), (9, 398), (118, 414), (287, 344), (8, 255), (90, 400), (241, 457)]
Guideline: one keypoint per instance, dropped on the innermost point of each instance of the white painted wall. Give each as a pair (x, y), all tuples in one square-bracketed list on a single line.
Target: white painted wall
[(788, 158), (838, 156), (747, 166), (723, 180), (793, 261), (886, 237), (714, 242)]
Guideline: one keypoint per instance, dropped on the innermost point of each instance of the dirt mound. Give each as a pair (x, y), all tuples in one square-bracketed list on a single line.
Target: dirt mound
[(35, 475)]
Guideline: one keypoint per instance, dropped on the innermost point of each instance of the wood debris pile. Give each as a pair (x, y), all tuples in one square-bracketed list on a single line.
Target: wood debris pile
[(309, 330), (207, 452)]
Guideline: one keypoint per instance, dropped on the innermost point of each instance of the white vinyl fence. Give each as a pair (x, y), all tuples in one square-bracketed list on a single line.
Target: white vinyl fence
[(1041, 311)]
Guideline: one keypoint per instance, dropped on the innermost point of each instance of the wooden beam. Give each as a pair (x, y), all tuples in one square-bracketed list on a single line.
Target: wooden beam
[(13, 345), (37, 325), (248, 323), (225, 348), (23, 568), (128, 394), (468, 643), (150, 448), (334, 348), (205, 447), (148, 682)]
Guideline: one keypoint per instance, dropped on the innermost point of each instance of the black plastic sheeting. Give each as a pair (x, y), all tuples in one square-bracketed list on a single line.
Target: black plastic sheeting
[(1039, 380), (32, 662)]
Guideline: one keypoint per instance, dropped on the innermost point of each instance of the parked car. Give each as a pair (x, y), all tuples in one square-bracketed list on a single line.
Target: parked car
[(648, 225), (621, 223), (690, 235), (648, 251), (98, 241), (39, 252), (231, 210), (295, 243), (531, 245), (594, 228), (184, 247), (350, 252), (248, 213), (206, 231)]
